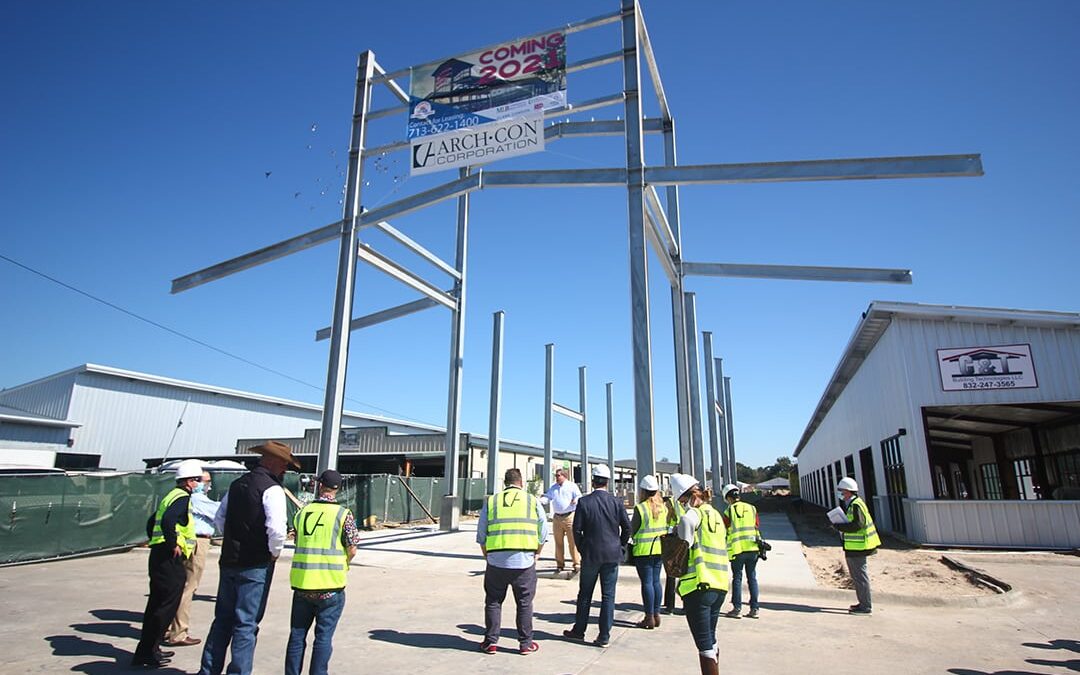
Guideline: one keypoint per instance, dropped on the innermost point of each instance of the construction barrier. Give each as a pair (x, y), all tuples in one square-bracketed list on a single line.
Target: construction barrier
[(53, 516)]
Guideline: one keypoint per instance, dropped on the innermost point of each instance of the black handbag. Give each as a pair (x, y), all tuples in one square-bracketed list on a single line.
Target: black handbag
[(762, 548)]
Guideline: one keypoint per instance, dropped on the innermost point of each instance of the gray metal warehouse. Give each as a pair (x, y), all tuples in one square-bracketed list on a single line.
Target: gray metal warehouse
[(961, 425)]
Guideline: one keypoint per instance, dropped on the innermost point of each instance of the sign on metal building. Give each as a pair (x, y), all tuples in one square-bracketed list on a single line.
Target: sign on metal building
[(1001, 367), (485, 105)]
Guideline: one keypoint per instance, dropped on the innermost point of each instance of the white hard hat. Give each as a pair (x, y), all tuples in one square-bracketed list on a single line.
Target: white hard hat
[(729, 488), (189, 468), (649, 484), (847, 484), (680, 483), (601, 471)]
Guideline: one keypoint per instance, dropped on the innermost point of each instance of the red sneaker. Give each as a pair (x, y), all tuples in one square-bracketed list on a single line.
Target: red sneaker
[(533, 647), (488, 647)]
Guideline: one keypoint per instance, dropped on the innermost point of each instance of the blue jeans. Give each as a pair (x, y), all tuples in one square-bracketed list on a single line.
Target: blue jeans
[(241, 602), (608, 573), (648, 570), (325, 615), (702, 612), (747, 559)]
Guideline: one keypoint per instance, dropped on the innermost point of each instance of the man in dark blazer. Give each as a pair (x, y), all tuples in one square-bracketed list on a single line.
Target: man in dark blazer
[(601, 530)]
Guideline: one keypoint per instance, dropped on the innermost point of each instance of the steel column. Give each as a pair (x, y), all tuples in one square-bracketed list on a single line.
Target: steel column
[(693, 357), (451, 508), (492, 483), (549, 399), (730, 430), (710, 410), (721, 410), (338, 361), (583, 429), (639, 278), (610, 431), (682, 384)]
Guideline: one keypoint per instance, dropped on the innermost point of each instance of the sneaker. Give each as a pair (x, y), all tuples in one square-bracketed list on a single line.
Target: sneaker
[(733, 613), (860, 610), (752, 614), (571, 635), (601, 641), (855, 606), (488, 647), (533, 647)]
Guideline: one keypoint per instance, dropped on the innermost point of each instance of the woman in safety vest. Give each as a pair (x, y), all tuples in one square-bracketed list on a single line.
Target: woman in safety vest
[(741, 523), (651, 519), (705, 583)]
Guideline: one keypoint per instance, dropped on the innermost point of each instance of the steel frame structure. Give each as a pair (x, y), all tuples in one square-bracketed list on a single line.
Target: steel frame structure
[(651, 222), (580, 415)]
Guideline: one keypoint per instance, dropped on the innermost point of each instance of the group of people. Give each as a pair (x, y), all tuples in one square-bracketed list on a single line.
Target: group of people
[(722, 548), (251, 519)]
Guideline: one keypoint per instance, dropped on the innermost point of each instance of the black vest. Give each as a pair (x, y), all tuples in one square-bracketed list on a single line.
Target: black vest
[(246, 543)]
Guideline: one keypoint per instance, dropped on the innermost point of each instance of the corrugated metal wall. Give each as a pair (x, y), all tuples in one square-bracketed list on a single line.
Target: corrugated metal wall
[(33, 433), (1035, 524), (50, 397), (873, 406)]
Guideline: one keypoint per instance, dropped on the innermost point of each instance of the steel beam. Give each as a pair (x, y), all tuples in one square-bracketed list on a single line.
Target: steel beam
[(650, 60), (549, 405), (583, 430), (554, 132), (610, 431), (567, 412), (382, 316), (420, 200), (300, 242), (660, 222), (652, 233), (730, 419), (416, 248), (722, 423), (410, 279), (556, 178), (678, 323), (934, 166), (695, 386), (393, 86), (799, 272), (710, 409)]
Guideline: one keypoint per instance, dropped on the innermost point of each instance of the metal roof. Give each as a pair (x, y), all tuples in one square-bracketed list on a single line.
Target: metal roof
[(9, 414), (195, 386), (879, 315)]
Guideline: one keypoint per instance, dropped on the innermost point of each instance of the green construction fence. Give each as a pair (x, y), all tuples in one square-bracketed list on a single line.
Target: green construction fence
[(51, 516)]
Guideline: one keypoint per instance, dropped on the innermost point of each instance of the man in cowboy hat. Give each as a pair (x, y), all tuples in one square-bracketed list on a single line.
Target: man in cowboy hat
[(252, 518)]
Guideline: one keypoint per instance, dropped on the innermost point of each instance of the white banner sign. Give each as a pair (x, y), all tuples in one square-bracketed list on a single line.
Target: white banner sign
[(478, 145), (1000, 367)]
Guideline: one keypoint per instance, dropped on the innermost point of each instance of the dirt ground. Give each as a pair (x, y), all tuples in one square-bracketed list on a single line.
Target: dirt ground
[(897, 567)]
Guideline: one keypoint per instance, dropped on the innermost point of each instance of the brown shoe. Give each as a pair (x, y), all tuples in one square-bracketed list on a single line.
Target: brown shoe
[(186, 642), (656, 620), (647, 622)]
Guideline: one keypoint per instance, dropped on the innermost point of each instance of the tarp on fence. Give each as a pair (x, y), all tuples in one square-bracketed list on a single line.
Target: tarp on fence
[(50, 516)]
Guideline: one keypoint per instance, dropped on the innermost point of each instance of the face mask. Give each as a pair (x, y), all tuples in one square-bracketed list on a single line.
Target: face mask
[(840, 495), (200, 488)]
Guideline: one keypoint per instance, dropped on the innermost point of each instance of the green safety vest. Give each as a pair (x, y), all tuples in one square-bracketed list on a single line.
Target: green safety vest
[(708, 566), (185, 534), (647, 538), (320, 560), (511, 521), (743, 533), (865, 539)]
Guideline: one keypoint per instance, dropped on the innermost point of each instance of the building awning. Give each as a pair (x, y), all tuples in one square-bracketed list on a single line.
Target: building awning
[(956, 425)]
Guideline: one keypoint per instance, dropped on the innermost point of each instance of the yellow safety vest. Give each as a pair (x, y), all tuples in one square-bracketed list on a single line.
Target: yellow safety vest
[(320, 560), (742, 534), (512, 522), (647, 538), (865, 539), (708, 566), (185, 534)]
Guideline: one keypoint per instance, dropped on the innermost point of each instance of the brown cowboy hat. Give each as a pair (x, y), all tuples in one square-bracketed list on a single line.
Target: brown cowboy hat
[(279, 450)]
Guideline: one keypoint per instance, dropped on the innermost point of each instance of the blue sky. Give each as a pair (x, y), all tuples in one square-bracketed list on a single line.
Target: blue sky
[(136, 138)]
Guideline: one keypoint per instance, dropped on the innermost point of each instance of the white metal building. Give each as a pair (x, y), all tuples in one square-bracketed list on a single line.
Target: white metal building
[(961, 425), (125, 416)]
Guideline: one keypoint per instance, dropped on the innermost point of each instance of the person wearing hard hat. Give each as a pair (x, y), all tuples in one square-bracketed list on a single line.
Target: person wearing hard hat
[(601, 530), (326, 541), (706, 582), (203, 510), (742, 525), (651, 519), (172, 540), (860, 540)]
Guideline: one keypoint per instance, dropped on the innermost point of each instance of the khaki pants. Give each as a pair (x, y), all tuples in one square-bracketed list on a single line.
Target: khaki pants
[(178, 629), (564, 527)]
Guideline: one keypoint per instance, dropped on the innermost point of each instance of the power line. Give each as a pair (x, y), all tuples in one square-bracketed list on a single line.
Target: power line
[(197, 341)]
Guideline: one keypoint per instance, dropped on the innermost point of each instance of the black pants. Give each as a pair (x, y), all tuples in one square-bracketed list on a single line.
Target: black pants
[(167, 578)]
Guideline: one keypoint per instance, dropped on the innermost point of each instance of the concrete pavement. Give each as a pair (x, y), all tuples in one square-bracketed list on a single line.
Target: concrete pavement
[(415, 605)]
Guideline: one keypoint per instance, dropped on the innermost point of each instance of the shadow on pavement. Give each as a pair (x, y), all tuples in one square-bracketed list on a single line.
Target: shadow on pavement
[(792, 607), (109, 659), (117, 615), (968, 671), (434, 554), (112, 629), (424, 640)]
